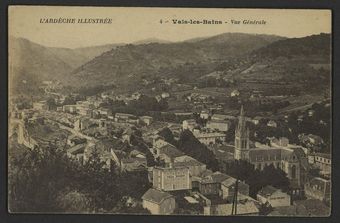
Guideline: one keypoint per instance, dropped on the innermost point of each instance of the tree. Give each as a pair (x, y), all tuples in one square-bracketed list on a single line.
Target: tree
[(257, 179), (74, 202), (190, 145), (168, 136)]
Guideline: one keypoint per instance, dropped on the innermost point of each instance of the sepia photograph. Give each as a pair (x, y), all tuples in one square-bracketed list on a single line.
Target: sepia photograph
[(169, 111)]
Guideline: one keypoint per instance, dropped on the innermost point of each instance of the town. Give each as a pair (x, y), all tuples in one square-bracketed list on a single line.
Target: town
[(211, 155)]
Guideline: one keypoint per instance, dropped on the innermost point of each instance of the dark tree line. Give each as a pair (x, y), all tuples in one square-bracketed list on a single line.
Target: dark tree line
[(46, 180), (190, 145), (257, 179)]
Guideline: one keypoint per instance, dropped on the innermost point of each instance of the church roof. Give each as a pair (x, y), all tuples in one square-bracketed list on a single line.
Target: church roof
[(265, 154)]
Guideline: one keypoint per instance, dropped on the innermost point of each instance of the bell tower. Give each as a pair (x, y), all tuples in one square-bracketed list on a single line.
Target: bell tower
[(241, 138)]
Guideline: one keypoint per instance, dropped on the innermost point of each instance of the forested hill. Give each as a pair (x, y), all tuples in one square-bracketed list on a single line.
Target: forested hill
[(127, 64), (315, 45)]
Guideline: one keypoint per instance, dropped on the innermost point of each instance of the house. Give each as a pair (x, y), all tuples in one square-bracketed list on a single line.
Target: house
[(136, 153), (219, 125), (146, 119), (211, 184), (318, 188), (165, 95), (168, 153), (171, 178), (158, 202), (256, 120), (77, 152), (235, 93), (136, 95), (41, 105), (195, 167), (272, 123), (228, 187), (83, 123), (322, 161), (273, 196), (246, 206), (126, 135), (59, 108), (104, 112), (122, 117), (70, 109), (209, 138), (158, 98), (220, 117), (189, 124), (75, 140), (204, 114), (311, 140), (133, 164), (158, 141), (311, 113)]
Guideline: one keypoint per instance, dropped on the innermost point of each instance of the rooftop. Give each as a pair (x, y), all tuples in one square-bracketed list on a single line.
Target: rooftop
[(156, 196), (267, 191)]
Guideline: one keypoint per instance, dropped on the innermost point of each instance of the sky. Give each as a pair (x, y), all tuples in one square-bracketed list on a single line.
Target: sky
[(134, 24)]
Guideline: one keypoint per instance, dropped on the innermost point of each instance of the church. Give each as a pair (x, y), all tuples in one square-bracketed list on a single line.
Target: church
[(292, 161)]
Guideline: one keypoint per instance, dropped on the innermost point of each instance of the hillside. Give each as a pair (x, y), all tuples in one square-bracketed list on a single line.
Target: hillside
[(296, 60), (127, 65), (32, 63)]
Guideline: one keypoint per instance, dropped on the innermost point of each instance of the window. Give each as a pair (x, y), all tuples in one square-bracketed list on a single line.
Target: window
[(293, 171)]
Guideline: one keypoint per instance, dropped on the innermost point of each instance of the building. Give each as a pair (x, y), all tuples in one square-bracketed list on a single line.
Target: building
[(189, 124), (241, 139), (228, 187), (195, 167), (171, 178), (204, 114), (218, 125), (146, 119), (75, 140), (165, 95), (234, 93), (292, 161), (220, 117), (76, 152), (127, 118), (41, 105), (321, 161), (83, 123), (272, 123), (133, 164), (168, 153), (256, 120), (209, 138), (158, 202), (211, 184), (318, 188), (70, 109), (136, 96), (246, 206), (158, 141), (273, 196)]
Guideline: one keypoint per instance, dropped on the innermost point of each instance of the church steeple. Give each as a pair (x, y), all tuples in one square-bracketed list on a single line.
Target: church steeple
[(241, 138), (242, 111)]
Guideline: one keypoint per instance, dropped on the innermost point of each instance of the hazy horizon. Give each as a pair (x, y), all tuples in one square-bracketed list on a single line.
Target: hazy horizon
[(133, 24), (151, 38)]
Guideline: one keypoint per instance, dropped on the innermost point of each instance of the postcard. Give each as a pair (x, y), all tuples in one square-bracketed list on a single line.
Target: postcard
[(169, 111)]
